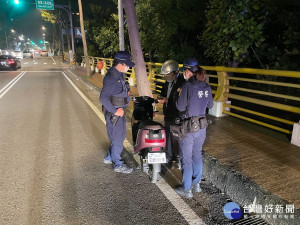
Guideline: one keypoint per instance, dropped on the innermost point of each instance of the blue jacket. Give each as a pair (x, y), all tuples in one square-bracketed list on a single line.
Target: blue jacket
[(114, 84), (195, 97)]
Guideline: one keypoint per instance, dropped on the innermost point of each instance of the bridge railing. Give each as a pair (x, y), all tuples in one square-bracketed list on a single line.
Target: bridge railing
[(266, 97), (269, 98)]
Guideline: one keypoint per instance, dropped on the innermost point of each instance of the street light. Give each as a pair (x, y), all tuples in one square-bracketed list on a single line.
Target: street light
[(12, 30), (16, 2), (44, 28)]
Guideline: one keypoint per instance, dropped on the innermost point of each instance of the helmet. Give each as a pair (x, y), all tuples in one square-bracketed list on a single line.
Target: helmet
[(169, 66), (191, 64)]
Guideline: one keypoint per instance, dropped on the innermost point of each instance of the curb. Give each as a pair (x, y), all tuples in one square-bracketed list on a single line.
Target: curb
[(242, 190)]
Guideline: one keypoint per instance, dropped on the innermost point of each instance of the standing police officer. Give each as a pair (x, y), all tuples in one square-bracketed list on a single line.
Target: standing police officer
[(174, 81), (115, 98), (194, 98)]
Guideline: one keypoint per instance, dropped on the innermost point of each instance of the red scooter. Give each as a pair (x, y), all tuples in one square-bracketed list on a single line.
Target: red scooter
[(149, 137)]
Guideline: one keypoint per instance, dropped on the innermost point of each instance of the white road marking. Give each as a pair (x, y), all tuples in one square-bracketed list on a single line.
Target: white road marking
[(11, 82), (4, 90), (190, 216), (35, 63), (45, 63), (53, 59), (25, 63), (54, 63), (42, 71)]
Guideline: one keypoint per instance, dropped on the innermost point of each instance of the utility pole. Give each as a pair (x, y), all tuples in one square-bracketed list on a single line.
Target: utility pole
[(68, 9), (121, 25), (6, 40), (62, 42), (143, 84), (72, 28), (87, 60)]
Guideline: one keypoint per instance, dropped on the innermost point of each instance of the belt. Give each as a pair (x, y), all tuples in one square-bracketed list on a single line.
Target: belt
[(118, 101)]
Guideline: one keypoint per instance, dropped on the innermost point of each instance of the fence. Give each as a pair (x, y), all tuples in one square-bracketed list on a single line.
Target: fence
[(265, 97)]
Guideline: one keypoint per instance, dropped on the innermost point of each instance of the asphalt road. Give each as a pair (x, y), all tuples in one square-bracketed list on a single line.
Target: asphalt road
[(52, 146)]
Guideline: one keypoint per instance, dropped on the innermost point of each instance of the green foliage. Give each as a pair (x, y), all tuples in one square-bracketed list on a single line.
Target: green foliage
[(49, 17), (232, 28), (103, 31), (254, 33), (281, 48), (168, 29)]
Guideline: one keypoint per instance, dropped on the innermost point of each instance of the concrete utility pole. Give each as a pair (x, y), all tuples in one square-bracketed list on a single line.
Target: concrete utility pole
[(121, 25), (86, 57), (143, 84), (68, 9)]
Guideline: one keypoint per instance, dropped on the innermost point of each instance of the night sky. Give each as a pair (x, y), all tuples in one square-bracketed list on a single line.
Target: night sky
[(24, 19)]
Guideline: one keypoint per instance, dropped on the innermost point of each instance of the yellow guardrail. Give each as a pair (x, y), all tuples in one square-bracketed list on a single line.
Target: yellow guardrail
[(253, 94), (265, 97)]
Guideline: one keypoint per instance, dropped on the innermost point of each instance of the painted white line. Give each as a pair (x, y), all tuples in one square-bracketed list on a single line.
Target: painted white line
[(45, 63), (11, 82), (7, 71), (15, 81), (54, 63), (35, 63), (190, 216), (94, 108), (42, 71), (25, 63), (52, 59)]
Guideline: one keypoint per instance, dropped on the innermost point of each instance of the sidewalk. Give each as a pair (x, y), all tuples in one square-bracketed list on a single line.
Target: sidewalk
[(245, 161)]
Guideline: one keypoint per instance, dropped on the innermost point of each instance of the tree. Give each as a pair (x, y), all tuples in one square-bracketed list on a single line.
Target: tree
[(86, 57), (281, 47), (172, 31), (143, 84), (103, 30), (232, 28), (52, 18)]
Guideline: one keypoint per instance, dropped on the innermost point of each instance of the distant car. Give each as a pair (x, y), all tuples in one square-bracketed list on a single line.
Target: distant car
[(5, 52), (27, 54), (17, 54), (44, 53), (9, 62)]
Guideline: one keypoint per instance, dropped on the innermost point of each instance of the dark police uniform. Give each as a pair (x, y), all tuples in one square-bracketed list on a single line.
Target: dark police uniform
[(114, 95), (195, 97)]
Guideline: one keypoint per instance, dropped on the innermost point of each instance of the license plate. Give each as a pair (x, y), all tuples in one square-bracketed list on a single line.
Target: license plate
[(157, 158), (3, 63)]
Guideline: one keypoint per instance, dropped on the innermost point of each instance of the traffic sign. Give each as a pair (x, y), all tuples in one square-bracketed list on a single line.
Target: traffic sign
[(45, 4)]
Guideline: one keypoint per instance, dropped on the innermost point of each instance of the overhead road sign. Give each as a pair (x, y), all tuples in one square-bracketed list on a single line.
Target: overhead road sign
[(45, 4)]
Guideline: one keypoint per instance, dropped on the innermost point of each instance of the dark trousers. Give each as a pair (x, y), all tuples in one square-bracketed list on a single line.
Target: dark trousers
[(172, 148), (116, 134)]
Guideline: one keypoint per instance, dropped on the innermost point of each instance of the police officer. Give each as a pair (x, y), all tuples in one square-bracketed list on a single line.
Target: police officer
[(174, 81), (114, 98), (194, 98)]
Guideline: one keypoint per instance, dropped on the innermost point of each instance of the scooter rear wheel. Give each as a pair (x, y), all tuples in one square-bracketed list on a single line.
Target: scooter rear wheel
[(154, 173)]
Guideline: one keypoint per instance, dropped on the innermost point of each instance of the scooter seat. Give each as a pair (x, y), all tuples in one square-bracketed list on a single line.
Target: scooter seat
[(150, 125)]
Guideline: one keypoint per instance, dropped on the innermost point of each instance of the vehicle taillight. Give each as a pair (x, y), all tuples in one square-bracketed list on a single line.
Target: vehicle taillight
[(10, 61), (154, 140), (156, 149)]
